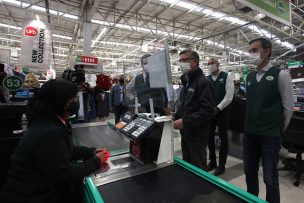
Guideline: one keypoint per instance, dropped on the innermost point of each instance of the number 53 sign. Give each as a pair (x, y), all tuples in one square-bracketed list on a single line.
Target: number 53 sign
[(12, 83)]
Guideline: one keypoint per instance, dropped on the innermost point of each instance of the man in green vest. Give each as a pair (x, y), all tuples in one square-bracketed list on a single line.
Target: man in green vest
[(268, 111), (140, 86), (223, 95)]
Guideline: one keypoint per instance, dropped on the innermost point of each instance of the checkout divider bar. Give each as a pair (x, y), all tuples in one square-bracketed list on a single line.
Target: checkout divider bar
[(219, 182), (92, 195)]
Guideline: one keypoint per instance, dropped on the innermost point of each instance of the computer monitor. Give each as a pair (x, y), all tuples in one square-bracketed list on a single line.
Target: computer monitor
[(23, 94)]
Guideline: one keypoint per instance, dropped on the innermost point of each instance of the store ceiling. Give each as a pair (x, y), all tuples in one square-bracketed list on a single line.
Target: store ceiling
[(212, 27)]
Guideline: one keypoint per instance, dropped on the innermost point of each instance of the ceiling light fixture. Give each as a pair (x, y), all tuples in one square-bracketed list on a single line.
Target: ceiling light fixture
[(259, 16)]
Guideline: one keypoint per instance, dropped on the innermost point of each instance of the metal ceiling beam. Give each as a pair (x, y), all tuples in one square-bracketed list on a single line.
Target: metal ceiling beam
[(119, 18)]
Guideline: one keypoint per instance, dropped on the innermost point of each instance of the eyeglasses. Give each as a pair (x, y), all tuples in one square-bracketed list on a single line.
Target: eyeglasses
[(185, 60), (211, 63), (253, 50)]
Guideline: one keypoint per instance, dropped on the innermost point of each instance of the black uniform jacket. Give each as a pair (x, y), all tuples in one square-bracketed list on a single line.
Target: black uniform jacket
[(195, 105)]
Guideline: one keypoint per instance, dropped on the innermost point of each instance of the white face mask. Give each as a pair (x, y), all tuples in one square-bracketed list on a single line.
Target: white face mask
[(255, 59), (146, 68), (212, 68), (184, 67)]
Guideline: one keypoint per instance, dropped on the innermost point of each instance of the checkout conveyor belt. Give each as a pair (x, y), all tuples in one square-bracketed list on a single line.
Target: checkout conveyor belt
[(99, 135), (178, 182), (169, 184)]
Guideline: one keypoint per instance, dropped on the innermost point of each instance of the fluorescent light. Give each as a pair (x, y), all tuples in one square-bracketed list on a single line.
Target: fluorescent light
[(185, 5), (217, 14), (70, 16), (12, 2), (10, 26), (260, 16), (7, 39), (39, 8), (103, 31), (62, 36)]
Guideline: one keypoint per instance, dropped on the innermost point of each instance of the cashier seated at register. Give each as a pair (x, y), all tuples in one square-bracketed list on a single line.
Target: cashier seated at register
[(45, 166), (140, 86)]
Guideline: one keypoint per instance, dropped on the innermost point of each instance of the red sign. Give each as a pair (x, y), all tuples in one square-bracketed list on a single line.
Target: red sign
[(30, 31), (87, 60)]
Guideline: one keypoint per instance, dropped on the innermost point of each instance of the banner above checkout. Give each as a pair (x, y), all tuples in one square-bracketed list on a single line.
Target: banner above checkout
[(279, 10), (36, 45), (87, 60)]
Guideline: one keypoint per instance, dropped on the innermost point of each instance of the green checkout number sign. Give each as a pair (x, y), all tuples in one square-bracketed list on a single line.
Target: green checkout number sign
[(12, 83)]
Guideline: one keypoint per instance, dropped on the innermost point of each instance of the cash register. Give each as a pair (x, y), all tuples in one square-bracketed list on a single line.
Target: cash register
[(145, 137)]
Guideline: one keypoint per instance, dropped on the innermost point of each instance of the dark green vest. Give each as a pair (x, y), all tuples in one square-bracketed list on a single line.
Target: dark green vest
[(264, 110), (144, 92), (219, 86)]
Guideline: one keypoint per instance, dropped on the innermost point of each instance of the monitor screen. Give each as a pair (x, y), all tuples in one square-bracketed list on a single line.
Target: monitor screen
[(24, 94)]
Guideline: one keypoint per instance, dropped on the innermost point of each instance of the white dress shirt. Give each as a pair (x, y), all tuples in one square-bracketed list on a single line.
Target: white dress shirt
[(229, 87), (285, 89)]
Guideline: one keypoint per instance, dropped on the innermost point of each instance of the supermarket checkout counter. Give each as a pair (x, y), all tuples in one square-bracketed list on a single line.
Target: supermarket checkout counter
[(99, 134), (150, 173)]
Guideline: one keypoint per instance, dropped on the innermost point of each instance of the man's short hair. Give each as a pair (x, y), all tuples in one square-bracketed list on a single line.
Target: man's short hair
[(264, 42), (145, 56), (193, 53)]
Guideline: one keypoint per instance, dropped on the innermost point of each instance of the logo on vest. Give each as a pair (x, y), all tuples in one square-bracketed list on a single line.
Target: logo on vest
[(221, 80), (248, 83), (269, 78)]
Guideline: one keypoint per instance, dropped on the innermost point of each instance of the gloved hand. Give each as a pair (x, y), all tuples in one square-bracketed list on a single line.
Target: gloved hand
[(103, 155)]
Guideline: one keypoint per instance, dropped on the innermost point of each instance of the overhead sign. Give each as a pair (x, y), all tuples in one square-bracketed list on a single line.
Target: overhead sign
[(36, 45), (279, 10), (12, 83), (87, 60), (295, 64)]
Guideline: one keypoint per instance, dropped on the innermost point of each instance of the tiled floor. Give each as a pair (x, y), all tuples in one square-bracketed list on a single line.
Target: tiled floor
[(234, 174), (289, 193)]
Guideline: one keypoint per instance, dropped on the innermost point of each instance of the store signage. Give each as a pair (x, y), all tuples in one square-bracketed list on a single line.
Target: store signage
[(87, 60), (12, 83), (279, 10), (295, 64), (36, 45)]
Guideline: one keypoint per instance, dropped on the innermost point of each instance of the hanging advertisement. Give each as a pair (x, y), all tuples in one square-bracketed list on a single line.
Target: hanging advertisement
[(279, 10), (36, 45)]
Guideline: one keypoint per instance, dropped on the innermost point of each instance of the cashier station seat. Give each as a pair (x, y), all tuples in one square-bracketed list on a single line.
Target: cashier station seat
[(293, 141)]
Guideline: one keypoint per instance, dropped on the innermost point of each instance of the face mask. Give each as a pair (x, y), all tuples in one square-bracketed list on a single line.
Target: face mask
[(73, 108), (146, 68), (184, 67), (212, 68), (255, 59)]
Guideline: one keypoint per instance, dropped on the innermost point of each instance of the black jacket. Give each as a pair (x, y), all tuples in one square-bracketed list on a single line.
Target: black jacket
[(44, 167), (195, 105)]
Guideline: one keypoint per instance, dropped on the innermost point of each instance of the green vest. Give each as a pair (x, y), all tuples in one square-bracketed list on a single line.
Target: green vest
[(264, 110), (144, 92), (219, 86)]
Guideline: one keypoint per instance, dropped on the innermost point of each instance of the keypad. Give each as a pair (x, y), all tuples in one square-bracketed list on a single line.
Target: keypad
[(137, 127)]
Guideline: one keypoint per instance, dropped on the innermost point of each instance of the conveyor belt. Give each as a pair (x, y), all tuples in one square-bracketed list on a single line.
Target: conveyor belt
[(100, 136), (172, 184)]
